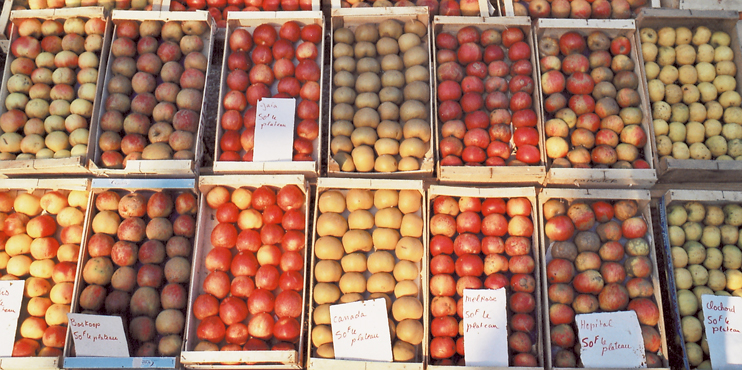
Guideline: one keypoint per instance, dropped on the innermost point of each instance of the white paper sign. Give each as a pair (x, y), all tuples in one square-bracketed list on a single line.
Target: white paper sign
[(485, 327), (611, 339), (722, 319), (274, 130), (11, 296), (98, 335), (360, 331)]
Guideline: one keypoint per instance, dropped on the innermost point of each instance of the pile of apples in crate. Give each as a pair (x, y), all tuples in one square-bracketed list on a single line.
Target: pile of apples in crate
[(599, 260), (594, 116), (381, 97), (578, 9), (693, 89), (485, 92), (138, 265), (260, 63), (705, 250), (155, 91), (376, 234), (40, 238), (487, 237), (220, 8), (45, 116), (252, 296)]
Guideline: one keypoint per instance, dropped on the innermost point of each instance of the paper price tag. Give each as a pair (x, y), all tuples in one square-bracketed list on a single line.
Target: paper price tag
[(274, 130), (485, 327), (611, 339), (98, 335), (360, 331), (722, 319), (11, 296)]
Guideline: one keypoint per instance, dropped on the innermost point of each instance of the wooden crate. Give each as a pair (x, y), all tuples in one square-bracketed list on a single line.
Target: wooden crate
[(523, 175), (192, 359), (168, 167), (249, 21), (435, 191), (610, 177), (343, 185), (671, 170), (51, 166), (39, 187), (121, 187), (507, 6), (642, 197), (670, 198), (352, 18)]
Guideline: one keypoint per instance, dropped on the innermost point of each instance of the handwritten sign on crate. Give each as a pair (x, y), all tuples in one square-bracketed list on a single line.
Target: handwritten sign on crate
[(485, 327), (98, 335), (274, 130), (360, 331), (11, 296), (611, 339), (722, 319)]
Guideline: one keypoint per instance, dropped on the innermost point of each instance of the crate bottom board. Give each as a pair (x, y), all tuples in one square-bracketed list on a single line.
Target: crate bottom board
[(601, 178), (324, 363), (306, 168), (692, 170), (119, 362), (439, 367), (29, 363), (530, 175), (258, 359), (71, 165)]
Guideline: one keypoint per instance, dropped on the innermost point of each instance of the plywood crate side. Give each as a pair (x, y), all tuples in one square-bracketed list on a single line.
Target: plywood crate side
[(167, 167), (31, 363), (77, 165), (608, 177), (534, 174), (343, 185), (4, 20), (249, 21), (734, 5), (669, 169), (192, 359), (529, 193), (643, 199), (352, 18)]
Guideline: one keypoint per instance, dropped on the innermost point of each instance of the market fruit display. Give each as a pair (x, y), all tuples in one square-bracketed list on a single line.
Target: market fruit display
[(435, 7), (251, 279), (269, 61), (153, 98), (706, 259), (486, 104), (40, 235), (593, 108), (52, 88), (369, 246), (380, 119), (693, 89), (485, 243), (220, 8), (579, 9), (138, 265), (600, 258)]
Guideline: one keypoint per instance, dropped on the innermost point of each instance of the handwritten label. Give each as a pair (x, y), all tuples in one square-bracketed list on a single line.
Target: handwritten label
[(722, 319), (360, 331), (11, 296), (611, 339), (485, 327), (274, 130), (98, 335)]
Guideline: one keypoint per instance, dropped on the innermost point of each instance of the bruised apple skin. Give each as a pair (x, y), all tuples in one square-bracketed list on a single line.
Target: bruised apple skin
[(488, 244), (486, 96), (592, 108), (41, 236), (369, 246), (138, 264), (152, 109), (600, 260), (252, 296), (381, 98), (51, 88), (271, 61)]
